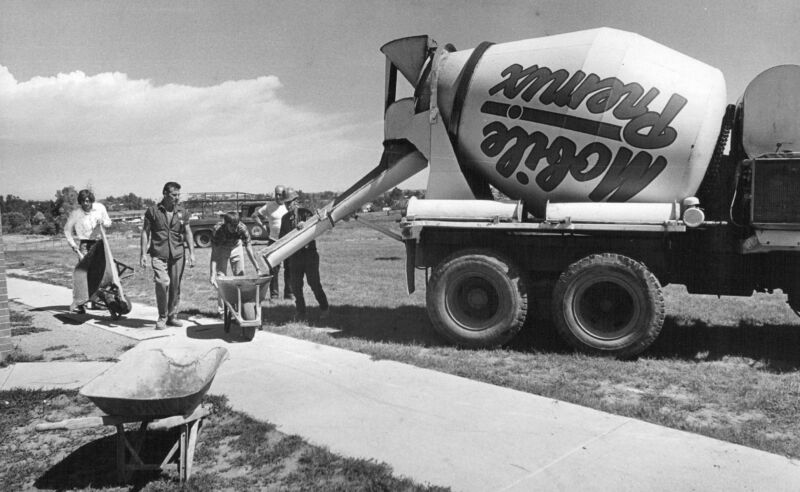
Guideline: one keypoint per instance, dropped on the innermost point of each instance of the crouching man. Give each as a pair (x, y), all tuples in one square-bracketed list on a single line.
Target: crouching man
[(226, 247)]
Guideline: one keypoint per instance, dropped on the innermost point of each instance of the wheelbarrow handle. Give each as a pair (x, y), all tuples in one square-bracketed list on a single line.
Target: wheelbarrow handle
[(71, 424)]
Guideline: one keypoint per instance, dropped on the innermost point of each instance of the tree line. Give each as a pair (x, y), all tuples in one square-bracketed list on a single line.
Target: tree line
[(22, 216), (49, 216)]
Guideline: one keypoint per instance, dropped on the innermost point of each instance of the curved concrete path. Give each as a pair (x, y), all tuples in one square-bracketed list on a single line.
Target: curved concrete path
[(445, 430)]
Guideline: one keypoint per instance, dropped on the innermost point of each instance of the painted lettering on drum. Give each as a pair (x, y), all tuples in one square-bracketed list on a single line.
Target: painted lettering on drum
[(622, 172), (645, 129)]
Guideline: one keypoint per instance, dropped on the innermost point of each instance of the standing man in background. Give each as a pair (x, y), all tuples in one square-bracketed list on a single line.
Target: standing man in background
[(305, 262), (164, 232), (273, 212), (82, 222)]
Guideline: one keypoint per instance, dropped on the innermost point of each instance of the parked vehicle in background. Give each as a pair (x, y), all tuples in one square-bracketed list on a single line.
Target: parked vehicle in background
[(204, 210)]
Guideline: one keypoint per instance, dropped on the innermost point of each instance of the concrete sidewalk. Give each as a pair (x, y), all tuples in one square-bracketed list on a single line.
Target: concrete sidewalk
[(450, 431)]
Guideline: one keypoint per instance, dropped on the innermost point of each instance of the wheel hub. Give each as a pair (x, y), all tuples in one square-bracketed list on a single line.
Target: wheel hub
[(606, 309), (473, 302), (477, 298)]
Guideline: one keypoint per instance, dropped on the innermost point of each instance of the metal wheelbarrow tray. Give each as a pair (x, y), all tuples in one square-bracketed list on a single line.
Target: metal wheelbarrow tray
[(242, 297), (102, 276), (156, 383)]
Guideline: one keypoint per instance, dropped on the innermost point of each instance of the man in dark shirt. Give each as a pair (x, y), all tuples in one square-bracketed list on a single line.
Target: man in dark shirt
[(226, 247), (164, 232), (304, 262)]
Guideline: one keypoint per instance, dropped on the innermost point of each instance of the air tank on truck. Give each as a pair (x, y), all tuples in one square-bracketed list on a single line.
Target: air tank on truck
[(572, 176)]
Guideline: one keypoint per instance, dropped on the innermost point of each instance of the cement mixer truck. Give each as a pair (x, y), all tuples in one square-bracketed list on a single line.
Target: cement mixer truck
[(572, 176)]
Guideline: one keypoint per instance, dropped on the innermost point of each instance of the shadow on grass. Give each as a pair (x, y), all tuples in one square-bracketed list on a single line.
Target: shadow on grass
[(773, 345), (94, 464), (406, 324)]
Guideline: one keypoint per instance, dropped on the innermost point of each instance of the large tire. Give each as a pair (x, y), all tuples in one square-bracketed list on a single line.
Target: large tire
[(608, 304), (202, 238), (477, 299)]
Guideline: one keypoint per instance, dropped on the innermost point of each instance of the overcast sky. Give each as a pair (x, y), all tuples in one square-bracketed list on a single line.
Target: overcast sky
[(233, 95)]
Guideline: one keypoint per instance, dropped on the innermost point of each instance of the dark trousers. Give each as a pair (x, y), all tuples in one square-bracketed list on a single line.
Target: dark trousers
[(305, 263)]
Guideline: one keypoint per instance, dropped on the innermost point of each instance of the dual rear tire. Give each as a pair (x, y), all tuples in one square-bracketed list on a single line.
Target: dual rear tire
[(606, 304)]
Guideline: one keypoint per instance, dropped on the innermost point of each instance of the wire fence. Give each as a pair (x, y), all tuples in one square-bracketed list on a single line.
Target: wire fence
[(47, 244)]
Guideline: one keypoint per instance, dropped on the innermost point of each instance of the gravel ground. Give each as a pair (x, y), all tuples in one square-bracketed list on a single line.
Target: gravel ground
[(61, 340)]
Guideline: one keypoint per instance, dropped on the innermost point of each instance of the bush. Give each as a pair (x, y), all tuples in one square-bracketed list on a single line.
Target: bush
[(16, 222), (45, 228)]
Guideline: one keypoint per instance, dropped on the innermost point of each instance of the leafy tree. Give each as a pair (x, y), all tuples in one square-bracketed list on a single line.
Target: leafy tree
[(66, 201), (13, 203)]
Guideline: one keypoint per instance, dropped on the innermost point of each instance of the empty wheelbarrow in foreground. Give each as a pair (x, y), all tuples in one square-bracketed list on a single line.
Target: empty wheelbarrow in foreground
[(242, 297), (161, 389)]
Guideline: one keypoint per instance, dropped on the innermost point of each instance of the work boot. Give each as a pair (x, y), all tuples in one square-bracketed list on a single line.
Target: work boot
[(161, 324), (174, 321)]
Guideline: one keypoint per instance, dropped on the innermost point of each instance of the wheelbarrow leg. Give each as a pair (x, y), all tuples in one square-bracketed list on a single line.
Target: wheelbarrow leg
[(188, 442), (122, 473)]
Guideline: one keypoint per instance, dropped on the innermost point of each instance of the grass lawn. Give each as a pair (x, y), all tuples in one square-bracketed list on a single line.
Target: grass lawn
[(234, 452), (725, 368)]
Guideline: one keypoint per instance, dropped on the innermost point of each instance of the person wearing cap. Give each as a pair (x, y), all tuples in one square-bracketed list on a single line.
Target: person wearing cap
[(226, 247), (304, 262), (82, 222), (273, 212)]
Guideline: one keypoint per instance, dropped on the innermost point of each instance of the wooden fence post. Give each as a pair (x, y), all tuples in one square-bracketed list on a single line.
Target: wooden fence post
[(5, 315)]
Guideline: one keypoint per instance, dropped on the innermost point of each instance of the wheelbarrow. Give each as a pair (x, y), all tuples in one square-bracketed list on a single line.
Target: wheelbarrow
[(159, 388), (103, 275), (242, 297)]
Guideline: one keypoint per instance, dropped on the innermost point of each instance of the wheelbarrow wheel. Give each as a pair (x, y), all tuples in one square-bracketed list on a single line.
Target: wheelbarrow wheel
[(248, 332), (227, 319)]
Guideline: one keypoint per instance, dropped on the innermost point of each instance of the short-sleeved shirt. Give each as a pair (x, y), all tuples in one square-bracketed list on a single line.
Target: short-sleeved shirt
[(289, 223), (226, 239), (273, 211), (166, 233)]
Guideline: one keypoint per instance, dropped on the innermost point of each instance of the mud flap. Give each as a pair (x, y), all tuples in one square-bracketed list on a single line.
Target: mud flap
[(411, 260)]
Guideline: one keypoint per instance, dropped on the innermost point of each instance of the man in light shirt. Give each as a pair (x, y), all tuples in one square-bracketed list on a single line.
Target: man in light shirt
[(82, 222), (273, 212)]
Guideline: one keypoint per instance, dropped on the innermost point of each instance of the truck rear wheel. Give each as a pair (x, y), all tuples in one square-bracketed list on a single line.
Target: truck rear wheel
[(608, 304), (202, 239), (477, 299)]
